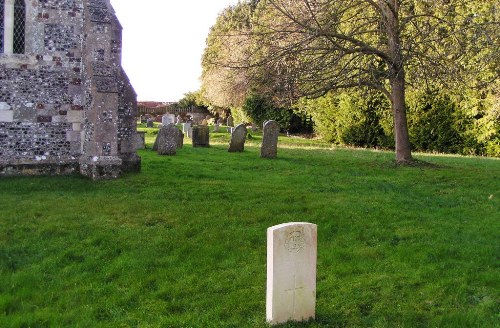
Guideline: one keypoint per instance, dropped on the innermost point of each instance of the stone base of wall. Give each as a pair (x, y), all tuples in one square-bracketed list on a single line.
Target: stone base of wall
[(102, 168), (99, 170), (50, 169)]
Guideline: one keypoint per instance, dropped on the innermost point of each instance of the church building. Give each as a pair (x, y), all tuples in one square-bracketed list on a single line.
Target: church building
[(66, 104)]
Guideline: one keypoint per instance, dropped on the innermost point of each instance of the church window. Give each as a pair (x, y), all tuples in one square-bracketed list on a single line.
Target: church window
[(19, 27), (2, 6)]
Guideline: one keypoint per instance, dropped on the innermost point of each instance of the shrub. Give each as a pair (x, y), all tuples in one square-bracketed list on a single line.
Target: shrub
[(356, 118), (432, 120), (261, 109)]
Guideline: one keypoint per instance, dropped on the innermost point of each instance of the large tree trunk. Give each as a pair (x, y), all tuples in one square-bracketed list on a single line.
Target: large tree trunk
[(390, 17), (403, 149)]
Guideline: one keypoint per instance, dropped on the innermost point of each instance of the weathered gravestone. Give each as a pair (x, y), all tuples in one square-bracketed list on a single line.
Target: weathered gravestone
[(238, 138), (291, 272), (269, 147), (140, 140), (149, 123), (201, 136), (167, 140), (216, 128), (179, 137)]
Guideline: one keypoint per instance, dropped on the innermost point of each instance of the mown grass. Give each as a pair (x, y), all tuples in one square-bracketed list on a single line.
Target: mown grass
[(183, 243)]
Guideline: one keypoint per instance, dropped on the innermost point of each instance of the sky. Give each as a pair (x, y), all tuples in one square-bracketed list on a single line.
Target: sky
[(163, 41)]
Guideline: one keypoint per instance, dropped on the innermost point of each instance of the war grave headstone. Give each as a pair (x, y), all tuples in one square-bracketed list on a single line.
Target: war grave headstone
[(238, 138), (291, 272), (201, 136), (269, 148)]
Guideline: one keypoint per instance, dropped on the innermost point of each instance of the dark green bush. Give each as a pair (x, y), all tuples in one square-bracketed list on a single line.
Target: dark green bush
[(433, 123), (468, 125), (353, 118), (260, 109)]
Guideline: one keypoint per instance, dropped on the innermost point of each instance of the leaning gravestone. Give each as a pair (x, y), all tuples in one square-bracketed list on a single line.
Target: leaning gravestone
[(166, 142), (201, 136), (238, 137), (291, 272), (269, 147)]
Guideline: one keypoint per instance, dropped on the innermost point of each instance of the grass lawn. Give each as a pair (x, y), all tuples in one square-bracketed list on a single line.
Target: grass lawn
[(183, 244)]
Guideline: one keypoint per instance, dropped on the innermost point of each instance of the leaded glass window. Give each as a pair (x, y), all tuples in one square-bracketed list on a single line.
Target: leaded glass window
[(2, 7), (19, 26)]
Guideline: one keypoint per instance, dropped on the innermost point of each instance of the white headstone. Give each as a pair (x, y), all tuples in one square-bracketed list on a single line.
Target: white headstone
[(167, 119), (186, 127), (291, 272)]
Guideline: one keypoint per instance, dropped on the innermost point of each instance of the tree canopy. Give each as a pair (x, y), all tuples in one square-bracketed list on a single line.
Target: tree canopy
[(291, 49)]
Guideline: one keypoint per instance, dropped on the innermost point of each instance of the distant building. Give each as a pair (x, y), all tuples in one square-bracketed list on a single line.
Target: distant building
[(66, 105)]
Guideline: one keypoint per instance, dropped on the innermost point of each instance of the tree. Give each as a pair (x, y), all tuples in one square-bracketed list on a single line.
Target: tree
[(306, 48), (228, 42), (191, 99)]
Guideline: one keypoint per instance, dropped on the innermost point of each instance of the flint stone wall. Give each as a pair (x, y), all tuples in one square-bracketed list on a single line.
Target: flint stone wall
[(67, 100)]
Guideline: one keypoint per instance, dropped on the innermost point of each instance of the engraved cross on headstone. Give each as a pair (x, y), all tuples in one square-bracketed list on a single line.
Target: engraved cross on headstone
[(293, 291)]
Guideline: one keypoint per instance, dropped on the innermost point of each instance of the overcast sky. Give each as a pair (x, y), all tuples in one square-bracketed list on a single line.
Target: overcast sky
[(163, 41)]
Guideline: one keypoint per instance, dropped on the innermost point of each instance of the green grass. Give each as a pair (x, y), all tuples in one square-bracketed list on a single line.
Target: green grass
[(183, 244)]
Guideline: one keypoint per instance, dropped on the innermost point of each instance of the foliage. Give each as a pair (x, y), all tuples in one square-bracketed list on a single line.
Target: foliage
[(182, 244), (290, 49), (439, 121), (480, 116), (240, 116), (191, 99), (261, 109), (433, 123), (356, 118), (227, 44)]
